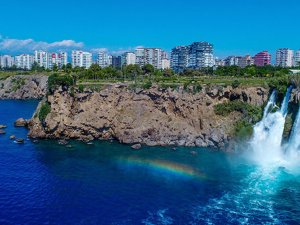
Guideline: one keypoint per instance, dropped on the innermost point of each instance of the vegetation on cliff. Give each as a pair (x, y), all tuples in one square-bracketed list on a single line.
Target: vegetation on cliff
[(251, 114), (44, 111)]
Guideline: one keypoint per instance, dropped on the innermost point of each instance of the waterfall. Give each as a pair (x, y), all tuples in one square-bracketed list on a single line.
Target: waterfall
[(267, 136), (285, 103)]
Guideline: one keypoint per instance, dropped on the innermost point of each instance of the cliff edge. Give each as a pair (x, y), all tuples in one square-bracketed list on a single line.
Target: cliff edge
[(23, 87), (151, 117)]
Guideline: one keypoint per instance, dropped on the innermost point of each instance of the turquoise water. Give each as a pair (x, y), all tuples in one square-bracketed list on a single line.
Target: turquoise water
[(109, 183)]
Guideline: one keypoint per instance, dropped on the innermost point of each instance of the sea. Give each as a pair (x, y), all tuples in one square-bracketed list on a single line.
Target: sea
[(103, 182)]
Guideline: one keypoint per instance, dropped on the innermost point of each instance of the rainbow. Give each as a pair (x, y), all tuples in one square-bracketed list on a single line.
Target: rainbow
[(164, 166)]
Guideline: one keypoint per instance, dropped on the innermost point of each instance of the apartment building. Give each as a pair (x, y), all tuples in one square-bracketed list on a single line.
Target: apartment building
[(6, 61), (104, 59), (82, 59), (24, 61), (262, 58), (128, 58), (284, 57)]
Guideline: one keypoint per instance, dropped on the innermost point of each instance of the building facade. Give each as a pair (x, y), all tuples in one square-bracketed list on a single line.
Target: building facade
[(82, 59), (245, 61), (284, 57), (6, 61), (200, 55), (58, 59), (232, 60), (104, 59), (165, 64), (152, 56), (297, 58), (41, 58), (24, 61), (128, 58), (262, 58), (179, 58), (195, 56), (116, 61)]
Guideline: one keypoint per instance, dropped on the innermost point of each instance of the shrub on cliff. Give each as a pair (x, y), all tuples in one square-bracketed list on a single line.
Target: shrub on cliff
[(243, 130), (56, 80), (235, 84), (252, 113), (44, 111), (147, 85)]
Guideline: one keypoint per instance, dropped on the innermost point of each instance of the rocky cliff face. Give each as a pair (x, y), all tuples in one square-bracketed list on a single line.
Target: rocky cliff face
[(151, 117), (23, 87)]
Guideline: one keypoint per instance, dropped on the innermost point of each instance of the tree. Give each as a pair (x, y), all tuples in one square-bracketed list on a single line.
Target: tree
[(67, 68), (95, 70), (168, 73), (55, 68), (148, 69), (132, 70)]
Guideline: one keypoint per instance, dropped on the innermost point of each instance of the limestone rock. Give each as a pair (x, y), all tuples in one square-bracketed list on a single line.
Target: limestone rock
[(24, 87), (154, 117), (136, 146), (21, 123)]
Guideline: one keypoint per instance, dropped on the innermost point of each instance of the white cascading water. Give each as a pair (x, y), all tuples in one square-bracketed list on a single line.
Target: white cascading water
[(267, 136)]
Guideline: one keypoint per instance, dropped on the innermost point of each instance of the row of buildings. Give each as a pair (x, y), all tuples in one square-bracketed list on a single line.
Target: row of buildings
[(195, 56), (41, 58), (284, 58), (141, 56)]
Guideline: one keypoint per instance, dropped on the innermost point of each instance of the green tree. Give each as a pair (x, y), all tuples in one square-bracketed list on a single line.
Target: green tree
[(148, 69)]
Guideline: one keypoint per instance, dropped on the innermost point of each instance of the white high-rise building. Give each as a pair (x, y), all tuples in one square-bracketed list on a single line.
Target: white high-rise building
[(284, 57), (6, 61), (152, 56), (297, 58), (24, 61), (165, 64), (104, 59), (58, 59), (41, 58), (128, 58), (82, 59)]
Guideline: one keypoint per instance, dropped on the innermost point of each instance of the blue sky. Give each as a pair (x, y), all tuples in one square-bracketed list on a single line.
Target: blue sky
[(233, 26)]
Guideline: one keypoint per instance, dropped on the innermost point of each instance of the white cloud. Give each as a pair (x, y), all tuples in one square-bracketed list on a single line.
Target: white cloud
[(96, 50), (29, 45), (120, 51)]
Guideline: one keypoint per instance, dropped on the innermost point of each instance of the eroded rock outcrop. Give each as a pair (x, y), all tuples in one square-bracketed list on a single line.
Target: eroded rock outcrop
[(23, 87), (151, 117)]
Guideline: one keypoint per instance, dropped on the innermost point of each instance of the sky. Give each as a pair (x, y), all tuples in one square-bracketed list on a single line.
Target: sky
[(235, 27)]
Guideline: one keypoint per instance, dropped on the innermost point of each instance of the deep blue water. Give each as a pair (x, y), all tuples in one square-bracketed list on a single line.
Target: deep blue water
[(108, 183)]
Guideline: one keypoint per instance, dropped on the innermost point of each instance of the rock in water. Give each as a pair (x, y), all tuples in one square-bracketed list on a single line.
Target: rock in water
[(12, 137), (2, 132), (63, 142), (136, 146), (21, 123), (2, 126), (20, 141)]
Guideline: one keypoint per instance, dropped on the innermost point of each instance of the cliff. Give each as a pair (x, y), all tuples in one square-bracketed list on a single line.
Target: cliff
[(152, 117), (23, 87)]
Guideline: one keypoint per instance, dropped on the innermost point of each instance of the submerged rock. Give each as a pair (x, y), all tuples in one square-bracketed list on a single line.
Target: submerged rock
[(20, 141), (63, 142), (2, 132)]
